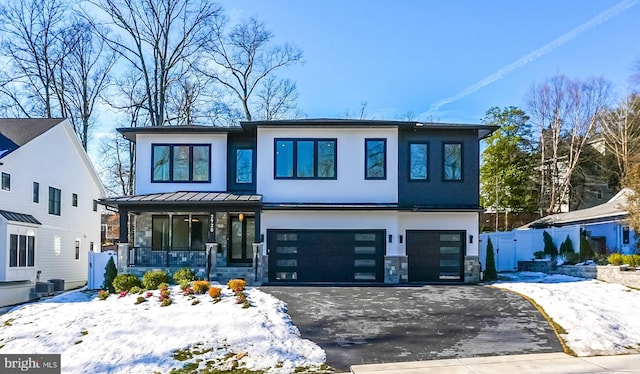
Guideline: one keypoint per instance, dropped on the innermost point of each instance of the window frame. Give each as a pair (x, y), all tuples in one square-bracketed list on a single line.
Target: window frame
[(172, 147), (21, 256), (36, 193), (316, 158), (57, 203), (366, 158), (74, 200), (444, 155), (251, 176), (5, 183), (427, 159)]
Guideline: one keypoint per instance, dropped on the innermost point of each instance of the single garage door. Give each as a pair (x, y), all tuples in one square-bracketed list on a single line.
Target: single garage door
[(435, 256), (326, 255)]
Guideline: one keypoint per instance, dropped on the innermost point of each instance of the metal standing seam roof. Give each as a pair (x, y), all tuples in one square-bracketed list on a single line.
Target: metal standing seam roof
[(19, 217), (183, 197)]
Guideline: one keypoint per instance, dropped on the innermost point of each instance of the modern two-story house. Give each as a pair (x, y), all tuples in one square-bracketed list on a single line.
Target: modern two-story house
[(313, 200), (49, 216)]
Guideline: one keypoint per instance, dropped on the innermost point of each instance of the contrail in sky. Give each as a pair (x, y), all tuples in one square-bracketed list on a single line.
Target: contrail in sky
[(595, 21)]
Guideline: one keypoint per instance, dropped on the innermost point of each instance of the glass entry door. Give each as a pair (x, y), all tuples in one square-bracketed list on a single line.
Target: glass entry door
[(243, 230)]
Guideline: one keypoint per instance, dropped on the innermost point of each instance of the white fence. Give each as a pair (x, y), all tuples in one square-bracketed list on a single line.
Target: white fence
[(97, 263), (518, 245)]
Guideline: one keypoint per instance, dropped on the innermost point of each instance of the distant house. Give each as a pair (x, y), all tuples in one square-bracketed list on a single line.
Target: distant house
[(49, 216), (304, 201)]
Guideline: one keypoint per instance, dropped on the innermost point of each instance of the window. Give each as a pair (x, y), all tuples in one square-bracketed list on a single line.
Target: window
[(74, 199), (54, 201), (179, 232), (418, 162), (305, 158), (181, 163), (244, 166), (452, 160), (375, 158), (6, 181), (77, 249), (95, 205), (21, 250), (36, 192)]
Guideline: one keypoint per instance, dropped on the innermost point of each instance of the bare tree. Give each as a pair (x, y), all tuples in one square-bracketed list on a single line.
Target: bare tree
[(241, 58), (620, 128), (159, 38), (86, 75), (34, 43), (117, 172), (277, 98), (565, 112)]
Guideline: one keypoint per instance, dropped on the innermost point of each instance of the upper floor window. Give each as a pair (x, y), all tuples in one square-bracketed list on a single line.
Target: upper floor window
[(54, 201), (21, 250), (305, 158), (36, 192), (419, 162), (452, 160), (181, 163), (74, 199), (375, 158), (244, 166), (6, 181)]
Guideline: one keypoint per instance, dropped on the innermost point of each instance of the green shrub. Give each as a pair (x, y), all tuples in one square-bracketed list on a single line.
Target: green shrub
[(566, 247), (616, 259), (136, 289), (110, 272), (490, 273), (184, 284), (586, 252), (103, 295), (572, 258), (550, 248), (538, 255), (166, 302), (183, 274), (152, 280), (140, 300), (124, 282)]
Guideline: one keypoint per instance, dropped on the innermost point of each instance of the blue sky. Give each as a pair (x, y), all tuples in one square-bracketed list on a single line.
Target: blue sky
[(445, 61)]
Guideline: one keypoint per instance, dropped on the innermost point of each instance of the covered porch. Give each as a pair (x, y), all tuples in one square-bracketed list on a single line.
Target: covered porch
[(217, 234)]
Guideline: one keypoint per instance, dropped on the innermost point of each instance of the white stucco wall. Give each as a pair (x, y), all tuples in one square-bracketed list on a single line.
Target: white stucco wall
[(350, 185), (54, 159), (218, 162)]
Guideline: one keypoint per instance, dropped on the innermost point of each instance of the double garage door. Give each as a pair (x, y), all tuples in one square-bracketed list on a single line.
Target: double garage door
[(326, 255), (358, 255)]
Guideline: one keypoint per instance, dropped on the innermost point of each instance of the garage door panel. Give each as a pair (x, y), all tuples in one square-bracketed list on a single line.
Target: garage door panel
[(435, 256), (326, 255)]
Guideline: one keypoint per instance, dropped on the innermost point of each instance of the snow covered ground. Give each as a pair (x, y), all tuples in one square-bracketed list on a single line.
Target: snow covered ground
[(600, 318), (118, 336)]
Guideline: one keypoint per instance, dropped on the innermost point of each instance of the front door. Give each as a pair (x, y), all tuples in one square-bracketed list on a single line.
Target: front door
[(241, 239)]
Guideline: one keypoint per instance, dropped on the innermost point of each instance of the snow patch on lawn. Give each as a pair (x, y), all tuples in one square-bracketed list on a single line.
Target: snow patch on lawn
[(118, 336), (600, 318)]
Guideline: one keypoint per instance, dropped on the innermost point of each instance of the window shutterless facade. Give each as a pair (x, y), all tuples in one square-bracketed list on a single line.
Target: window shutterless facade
[(244, 165), (36, 192), (54, 201), (181, 163), (375, 158), (305, 158), (452, 161), (418, 162), (6, 181), (21, 250)]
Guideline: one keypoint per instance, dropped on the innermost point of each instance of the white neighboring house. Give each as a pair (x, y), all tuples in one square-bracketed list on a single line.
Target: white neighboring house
[(49, 219)]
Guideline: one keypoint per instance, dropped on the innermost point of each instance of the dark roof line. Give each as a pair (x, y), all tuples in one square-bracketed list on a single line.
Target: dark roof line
[(19, 217)]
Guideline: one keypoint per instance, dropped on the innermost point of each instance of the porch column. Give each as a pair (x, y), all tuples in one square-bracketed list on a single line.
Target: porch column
[(212, 249), (258, 269), (123, 245)]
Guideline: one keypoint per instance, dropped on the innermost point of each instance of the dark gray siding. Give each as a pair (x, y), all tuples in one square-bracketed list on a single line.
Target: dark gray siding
[(435, 192)]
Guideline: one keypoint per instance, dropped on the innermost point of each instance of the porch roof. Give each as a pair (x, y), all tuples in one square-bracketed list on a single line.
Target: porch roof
[(19, 217), (184, 198)]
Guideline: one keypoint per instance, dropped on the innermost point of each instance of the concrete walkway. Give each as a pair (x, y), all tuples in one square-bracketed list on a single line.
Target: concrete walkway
[(552, 363)]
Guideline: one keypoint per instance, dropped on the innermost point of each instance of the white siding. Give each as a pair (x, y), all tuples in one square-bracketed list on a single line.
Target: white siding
[(55, 159), (218, 163), (350, 185)]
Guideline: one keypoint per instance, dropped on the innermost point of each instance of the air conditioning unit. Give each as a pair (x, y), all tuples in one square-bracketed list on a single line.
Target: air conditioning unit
[(43, 289), (58, 284)]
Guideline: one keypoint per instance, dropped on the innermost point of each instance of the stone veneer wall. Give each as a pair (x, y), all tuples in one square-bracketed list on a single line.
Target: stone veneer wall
[(472, 269), (609, 273)]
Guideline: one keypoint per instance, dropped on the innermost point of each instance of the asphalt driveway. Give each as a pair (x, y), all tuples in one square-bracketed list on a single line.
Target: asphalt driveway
[(368, 325)]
